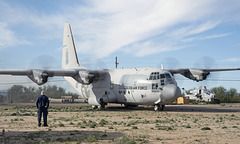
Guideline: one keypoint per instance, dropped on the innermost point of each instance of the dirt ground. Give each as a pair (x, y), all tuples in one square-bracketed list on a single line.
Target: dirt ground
[(78, 123)]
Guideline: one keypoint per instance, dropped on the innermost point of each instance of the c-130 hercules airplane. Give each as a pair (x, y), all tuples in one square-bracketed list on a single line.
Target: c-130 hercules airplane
[(130, 86)]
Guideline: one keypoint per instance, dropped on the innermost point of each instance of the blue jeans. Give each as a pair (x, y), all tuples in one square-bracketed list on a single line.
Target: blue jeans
[(42, 111)]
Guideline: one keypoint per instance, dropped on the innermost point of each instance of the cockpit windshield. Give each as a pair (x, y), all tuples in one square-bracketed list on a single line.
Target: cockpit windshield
[(167, 75), (157, 76)]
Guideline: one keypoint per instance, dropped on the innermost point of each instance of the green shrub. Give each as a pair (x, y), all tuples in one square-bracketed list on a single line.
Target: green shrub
[(103, 122), (124, 140), (61, 125), (206, 128), (91, 138), (134, 127)]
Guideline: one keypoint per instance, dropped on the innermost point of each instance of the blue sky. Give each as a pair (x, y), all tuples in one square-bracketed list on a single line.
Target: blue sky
[(142, 33)]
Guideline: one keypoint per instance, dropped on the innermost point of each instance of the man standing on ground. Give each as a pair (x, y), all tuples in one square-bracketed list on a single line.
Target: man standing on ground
[(42, 104)]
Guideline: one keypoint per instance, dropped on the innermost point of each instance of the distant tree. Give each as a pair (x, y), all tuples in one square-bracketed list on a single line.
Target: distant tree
[(236, 99), (225, 95), (220, 93), (19, 93), (231, 93)]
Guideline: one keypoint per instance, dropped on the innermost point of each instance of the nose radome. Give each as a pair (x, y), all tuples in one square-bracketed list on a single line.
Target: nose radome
[(171, 92)]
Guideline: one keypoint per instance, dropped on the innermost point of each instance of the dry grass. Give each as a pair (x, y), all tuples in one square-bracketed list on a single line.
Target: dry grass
[(73, 123)]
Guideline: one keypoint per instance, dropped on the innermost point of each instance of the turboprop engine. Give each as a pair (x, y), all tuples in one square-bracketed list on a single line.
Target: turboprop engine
[(196, 74), (87, 76), (39, 76)]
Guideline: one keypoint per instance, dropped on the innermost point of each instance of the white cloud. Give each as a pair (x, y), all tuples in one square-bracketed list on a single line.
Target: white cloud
[(140, 49), (104, 27), (206, 37), (8, 38), (189, 32), (233, 59), (122, 25)]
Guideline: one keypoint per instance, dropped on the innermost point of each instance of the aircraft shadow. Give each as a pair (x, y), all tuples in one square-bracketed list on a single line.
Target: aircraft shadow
[(202, 108), (56, 136), (179, 108)]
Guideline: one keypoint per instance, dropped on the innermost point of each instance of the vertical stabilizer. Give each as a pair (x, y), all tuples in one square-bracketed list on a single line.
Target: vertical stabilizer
[(69, 55)]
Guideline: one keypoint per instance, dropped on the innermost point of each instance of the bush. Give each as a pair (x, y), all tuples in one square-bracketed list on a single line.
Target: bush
[(134, 127), (124, 140), (206, 128), (61, 125), (91, 138), (103, 122)]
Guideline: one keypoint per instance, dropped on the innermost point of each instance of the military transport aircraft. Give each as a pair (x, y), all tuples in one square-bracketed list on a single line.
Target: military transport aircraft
[(130, 86)]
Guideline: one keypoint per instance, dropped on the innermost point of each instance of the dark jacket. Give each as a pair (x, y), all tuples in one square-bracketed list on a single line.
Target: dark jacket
[(42, 101)]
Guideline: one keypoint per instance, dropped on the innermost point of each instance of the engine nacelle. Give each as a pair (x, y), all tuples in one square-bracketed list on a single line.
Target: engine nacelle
[(39, 76), (87, 77), (197, 75)]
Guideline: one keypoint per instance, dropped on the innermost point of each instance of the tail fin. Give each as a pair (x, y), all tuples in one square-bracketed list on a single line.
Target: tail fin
[(69, 55)]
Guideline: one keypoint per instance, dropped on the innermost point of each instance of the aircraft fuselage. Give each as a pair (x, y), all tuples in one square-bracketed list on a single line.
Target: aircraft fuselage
[(135, 86)]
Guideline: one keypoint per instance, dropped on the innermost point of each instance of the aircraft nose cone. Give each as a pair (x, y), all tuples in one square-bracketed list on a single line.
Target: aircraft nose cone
[(170, 93)]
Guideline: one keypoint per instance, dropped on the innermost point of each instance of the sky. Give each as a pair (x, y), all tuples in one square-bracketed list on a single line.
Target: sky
[(141, 33)]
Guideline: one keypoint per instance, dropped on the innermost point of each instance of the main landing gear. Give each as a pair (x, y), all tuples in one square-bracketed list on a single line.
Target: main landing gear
[(130, 106), (159, 107), (101, 106)]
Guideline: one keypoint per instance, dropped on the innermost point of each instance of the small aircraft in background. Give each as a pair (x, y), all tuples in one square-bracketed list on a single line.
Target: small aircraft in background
[(130, 86), (202, 95)]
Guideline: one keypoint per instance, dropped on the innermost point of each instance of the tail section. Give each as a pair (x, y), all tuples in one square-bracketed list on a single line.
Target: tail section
[(69, 55)]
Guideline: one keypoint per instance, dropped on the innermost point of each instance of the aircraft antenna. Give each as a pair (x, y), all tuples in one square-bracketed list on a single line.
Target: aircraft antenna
[(116, 63)]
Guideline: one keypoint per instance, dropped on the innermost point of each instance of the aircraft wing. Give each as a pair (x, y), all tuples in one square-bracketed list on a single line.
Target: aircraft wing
[(197, 74), (40, 76), (28, 72)]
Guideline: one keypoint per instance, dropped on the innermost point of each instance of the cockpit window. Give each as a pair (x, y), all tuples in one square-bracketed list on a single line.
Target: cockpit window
[(154, 76), (151, 77), (157, 76), (155, 86), (162, 76), (167, 75)]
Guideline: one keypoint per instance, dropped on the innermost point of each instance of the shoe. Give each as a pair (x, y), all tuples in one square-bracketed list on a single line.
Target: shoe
[(45, 125)]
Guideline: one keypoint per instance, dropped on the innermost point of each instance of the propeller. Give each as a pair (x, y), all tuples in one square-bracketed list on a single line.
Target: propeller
[(171, 62), (44, 62), (207, 62), (94, 63), (39, 64)]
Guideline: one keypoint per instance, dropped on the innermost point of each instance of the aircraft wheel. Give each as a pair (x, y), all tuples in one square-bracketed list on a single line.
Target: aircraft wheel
[(102, 106), (126, 106), (163, 107), (94, 107), (156, 107), (134, 105)]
